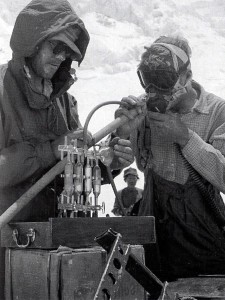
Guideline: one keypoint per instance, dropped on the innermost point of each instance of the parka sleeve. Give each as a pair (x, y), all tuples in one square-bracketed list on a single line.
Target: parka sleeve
[(22, 161)]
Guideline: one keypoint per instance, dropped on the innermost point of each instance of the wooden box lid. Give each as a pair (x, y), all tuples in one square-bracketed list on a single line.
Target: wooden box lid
[(79, 232)]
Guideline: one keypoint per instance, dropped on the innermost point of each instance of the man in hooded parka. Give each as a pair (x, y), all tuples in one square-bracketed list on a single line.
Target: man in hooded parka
[(36, 112)]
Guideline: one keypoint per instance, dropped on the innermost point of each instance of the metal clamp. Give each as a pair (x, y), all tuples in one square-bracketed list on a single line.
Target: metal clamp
[(120, 260), (30, 238), (116, 263)]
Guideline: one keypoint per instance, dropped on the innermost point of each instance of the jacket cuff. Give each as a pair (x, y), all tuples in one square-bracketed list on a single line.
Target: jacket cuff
[(193, 148)]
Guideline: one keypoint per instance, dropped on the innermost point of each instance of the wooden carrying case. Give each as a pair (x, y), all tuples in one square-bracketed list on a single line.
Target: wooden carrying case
[(74, 270), (64, 274)]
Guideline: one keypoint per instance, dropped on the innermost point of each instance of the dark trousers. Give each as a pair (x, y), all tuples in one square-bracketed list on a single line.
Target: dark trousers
[(189, 240)]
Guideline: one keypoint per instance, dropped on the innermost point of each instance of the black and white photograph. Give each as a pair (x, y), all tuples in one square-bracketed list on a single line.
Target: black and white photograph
[(112, 150)]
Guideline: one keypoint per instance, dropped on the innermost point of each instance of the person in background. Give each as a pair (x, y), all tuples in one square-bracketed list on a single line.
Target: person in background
[(129, 198), (36, 111), (179, 143)]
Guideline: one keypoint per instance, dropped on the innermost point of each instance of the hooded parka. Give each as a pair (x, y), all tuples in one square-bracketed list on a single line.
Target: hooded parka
[(29, 120)]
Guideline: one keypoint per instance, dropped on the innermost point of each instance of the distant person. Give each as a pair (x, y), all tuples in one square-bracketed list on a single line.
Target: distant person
[(36, 111), (129, 197)]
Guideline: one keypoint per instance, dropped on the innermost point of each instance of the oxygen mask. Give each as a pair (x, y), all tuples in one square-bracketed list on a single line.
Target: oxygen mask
[(160, 75), (157, 102), (163, 87), (160, 85), (162, 101)]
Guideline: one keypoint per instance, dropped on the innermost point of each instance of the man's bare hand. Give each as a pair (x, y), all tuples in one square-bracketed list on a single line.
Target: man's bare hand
[(127, 104), (123, 153)]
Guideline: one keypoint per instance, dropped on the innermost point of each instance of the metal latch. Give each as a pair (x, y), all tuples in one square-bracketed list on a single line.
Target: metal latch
[(30, 238)]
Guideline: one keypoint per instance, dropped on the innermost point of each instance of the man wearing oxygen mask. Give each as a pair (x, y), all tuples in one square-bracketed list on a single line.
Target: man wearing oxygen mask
[(179, 144)]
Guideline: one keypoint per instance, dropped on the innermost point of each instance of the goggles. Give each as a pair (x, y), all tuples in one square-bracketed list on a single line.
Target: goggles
[(161, 79), (59, 47)]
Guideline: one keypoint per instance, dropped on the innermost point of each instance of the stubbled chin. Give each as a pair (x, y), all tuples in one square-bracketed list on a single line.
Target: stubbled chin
[(50, 71)]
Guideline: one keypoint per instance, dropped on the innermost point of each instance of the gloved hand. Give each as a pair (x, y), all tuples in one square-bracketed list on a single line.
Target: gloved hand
[(71, 135), (127, 104)]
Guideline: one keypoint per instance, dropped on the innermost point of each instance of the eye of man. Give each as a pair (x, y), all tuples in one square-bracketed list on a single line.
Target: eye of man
[(58, 47)]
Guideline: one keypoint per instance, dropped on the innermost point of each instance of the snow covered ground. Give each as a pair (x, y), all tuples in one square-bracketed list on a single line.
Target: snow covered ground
[(119, 30)]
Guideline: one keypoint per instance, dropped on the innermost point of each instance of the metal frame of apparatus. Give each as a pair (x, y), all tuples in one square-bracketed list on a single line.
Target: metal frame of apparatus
[(82, 175)]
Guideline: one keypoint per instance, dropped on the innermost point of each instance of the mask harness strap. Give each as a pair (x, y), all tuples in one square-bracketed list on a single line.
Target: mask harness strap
[(176, 52)]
